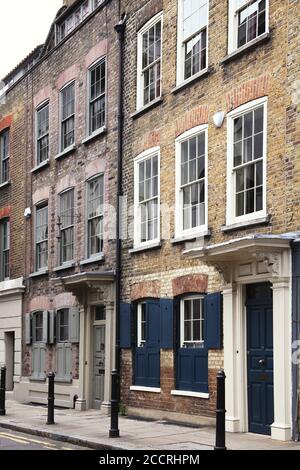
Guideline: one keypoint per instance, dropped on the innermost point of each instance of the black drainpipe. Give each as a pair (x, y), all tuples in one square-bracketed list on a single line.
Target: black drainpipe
[(295, 334), (120, 29)]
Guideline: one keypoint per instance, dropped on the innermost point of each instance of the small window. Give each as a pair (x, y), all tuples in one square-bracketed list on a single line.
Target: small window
[(251, 22), (37, 327), (4, 249), (192, 37), (147, 199), (142, 323), (99, 313), (248, 20), (75, 18), (66, 223), (149, 60), (95, 197), (41, 237), (97, 96), (192, 322), (68, 116), (42, 145), (63, 325), (4, 156)]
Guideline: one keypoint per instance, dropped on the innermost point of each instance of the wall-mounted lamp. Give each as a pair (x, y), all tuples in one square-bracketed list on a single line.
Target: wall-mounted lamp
[(219, 119), (27, 213)]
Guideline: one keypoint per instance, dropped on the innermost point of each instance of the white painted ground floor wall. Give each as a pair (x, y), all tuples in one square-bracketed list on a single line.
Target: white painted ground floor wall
[(11, 293)]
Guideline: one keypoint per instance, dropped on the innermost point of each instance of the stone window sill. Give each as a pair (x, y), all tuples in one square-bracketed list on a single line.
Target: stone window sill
[(246, 48), (37, 379), (146, 108), (190, 238), (64, 266), (246, 224), (66, 152), (181, 393), (5, 184), (94, 259), (39, 167), (63, 380), (136, 388), (93, 136), (42, 272), (190, 81), (140, 249)]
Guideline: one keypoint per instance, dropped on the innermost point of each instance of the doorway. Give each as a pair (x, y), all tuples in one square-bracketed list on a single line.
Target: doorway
[(259, 308), (98, 366)]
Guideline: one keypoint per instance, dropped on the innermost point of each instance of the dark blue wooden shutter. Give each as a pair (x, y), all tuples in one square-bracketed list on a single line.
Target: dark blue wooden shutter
[(125, 325), (147, 358), (192, 370), (166, 324), (213, 321)]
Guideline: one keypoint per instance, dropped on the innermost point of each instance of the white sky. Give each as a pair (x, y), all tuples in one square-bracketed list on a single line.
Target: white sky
[(24, 25)]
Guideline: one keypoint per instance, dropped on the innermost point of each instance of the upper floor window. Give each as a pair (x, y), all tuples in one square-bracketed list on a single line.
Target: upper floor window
[(4, 249), (248, 20), (192, 38), (147, 198), (247, 162), (95, 192), (191, 178), (68, 116), (97, 87), (192, 330), (41, 237), (4, 156), (149, 61), (42, 123), (76, 17), (66, 221)]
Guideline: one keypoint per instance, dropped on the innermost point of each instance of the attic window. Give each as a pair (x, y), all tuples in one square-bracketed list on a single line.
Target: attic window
[(76, 17)]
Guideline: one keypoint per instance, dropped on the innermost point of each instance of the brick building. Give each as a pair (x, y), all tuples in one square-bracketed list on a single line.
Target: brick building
[(210, 175), (210, 254), (61, 114)]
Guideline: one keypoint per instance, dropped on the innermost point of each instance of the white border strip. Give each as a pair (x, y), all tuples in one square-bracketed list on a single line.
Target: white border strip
[(135, 388), (190, 394)]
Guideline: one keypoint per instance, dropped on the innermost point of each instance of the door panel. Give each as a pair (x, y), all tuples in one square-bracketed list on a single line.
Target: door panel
[(147, 358), (99, 366), (260, 364)]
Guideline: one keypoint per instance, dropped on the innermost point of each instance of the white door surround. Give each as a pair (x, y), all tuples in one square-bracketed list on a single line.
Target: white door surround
[(94, 289), (241, 262)]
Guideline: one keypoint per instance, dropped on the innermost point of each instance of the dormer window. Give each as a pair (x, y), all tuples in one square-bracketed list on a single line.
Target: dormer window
[(76, 17)]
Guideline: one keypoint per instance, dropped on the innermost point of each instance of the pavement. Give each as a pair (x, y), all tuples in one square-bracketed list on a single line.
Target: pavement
[(90, 429)]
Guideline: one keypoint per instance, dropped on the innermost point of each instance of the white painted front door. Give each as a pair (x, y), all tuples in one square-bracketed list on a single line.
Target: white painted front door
[(99, 366)]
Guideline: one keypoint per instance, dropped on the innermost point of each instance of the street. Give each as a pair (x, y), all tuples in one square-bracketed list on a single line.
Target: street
[(11, 440)]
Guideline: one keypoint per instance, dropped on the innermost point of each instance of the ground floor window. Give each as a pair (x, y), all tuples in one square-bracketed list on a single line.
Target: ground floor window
[(39, 340)]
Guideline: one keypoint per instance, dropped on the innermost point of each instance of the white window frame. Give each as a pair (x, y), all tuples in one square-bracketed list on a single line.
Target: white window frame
[(141, 342), (231, 199), (37, 138), (61, 149), (137, 234), (96, 255), (202, 229), (89, 133), (4, 158), (234, 7), (140, 87), (202, 319), (39, 206), (70, 226), (180, 46)]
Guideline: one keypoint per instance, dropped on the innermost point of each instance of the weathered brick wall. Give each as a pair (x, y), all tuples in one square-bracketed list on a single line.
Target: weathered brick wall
[(263, 71)]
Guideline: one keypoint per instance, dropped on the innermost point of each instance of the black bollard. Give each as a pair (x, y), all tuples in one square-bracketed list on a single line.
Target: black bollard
[(51, 398), (2, 391), (114, 426), (220, 413)]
